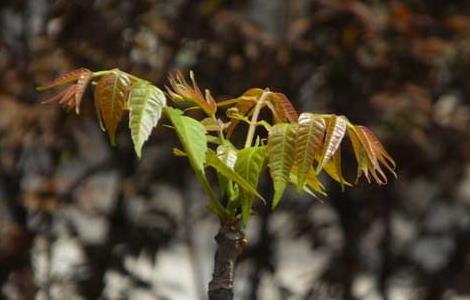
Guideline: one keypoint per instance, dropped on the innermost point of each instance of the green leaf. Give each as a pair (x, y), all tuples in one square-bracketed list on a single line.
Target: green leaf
[(281, 150), (228, 154), (211, 124), (335, 130), (249, 165), (214, 161), (308, 141), (333, 169), (311, 184), (192, 136), (146, 102), (213, 139), (179, 152)]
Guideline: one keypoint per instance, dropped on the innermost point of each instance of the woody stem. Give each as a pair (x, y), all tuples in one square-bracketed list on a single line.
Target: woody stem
[(230, 241)]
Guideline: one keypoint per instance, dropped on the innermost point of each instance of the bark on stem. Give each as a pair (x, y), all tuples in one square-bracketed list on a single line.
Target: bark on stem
[(230, 241)]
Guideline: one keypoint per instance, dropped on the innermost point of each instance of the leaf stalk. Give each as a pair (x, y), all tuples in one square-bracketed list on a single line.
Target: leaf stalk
[(254, 119)]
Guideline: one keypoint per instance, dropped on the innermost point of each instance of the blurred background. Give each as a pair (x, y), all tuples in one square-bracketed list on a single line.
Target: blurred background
[(80, 219)]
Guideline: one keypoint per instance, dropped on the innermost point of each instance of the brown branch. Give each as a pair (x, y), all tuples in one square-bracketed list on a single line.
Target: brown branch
[(230, 242)]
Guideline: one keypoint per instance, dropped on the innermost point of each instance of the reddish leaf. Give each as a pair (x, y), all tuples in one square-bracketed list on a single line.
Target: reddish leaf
[(180, 90), (71, 97), (245, 103), (359, 153), (335, 130), (381, 154), (80, 87), (110, 100), (67, 78), (370, 154), (284, 110)]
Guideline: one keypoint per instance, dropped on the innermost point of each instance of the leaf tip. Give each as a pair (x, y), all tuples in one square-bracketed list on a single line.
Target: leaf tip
[(138, 149), (112, 141), (277, 197)]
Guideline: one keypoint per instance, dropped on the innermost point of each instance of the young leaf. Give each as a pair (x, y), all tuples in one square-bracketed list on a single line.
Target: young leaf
[(382, 155), (244, 105), (308, 141), (181, 91), (249, 165), (214, 161), (179, 152), (359, 153), (110, 99), (333, 169), (66, 98), (281, 150), (311, 185), (370, 154), (146, 102), (192, 136), (284, 110), (81, 86), (210, 124), (335, 130), (71, 97), (228, 154), (66, 78), (375, 154)]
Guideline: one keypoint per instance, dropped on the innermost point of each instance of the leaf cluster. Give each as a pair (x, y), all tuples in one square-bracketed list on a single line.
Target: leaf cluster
[(296, 148)]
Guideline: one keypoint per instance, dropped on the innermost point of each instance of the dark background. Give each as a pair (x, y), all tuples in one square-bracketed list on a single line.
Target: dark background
[(80, 219)]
